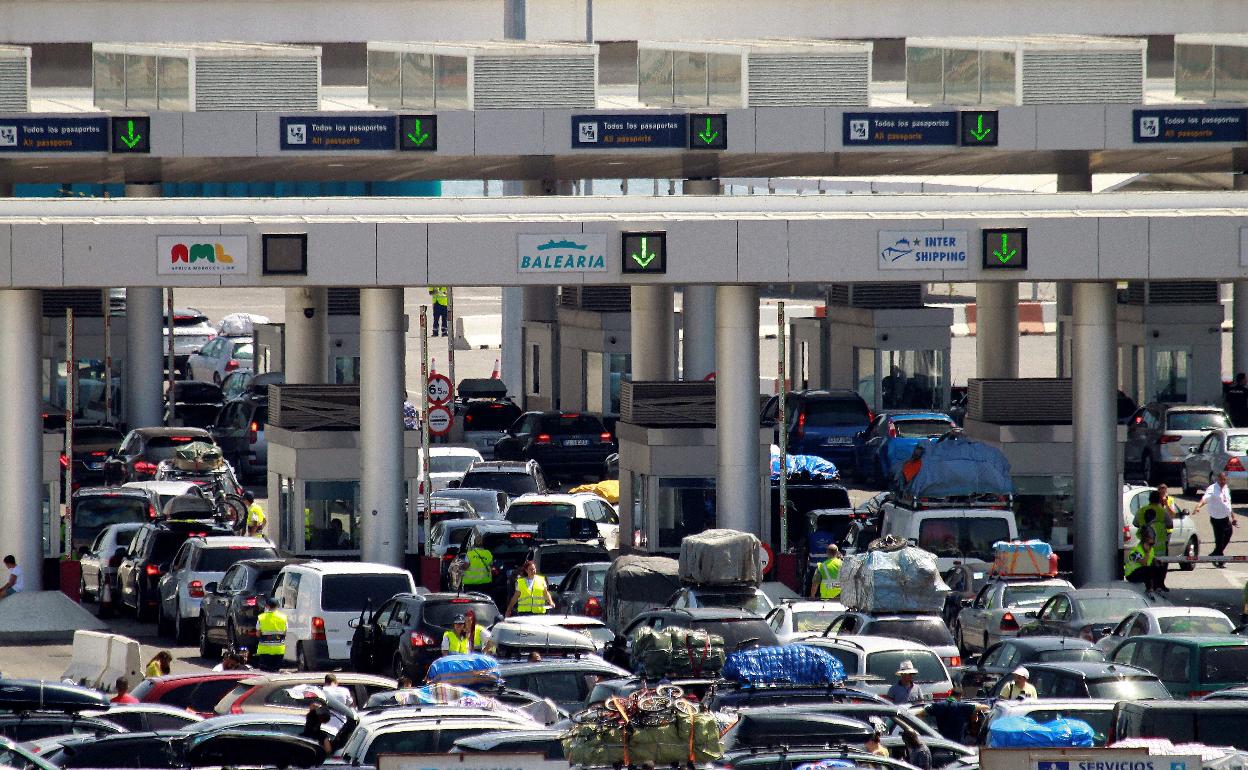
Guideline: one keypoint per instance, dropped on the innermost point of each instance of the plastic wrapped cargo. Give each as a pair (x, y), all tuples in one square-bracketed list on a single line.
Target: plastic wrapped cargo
[(901, 580), (198, 456), (677, 652), (240, 324), (721, 557), (790, 664), (808, 469), (635, 584), (956, 466), (1025, 732), (1023, 558), (464, 670), (680, 740)]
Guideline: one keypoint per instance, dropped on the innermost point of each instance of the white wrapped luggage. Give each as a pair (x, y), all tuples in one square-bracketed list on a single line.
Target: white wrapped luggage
[(721, 557), (901, 580)]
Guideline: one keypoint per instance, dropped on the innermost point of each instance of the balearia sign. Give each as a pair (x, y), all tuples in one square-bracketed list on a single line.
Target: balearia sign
[(562, 253)]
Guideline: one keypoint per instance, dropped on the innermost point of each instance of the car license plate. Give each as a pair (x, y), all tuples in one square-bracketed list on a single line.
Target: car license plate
[(576, 442), (838, 441)]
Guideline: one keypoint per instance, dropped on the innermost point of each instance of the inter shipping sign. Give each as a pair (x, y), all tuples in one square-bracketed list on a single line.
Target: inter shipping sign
[(922, 249)]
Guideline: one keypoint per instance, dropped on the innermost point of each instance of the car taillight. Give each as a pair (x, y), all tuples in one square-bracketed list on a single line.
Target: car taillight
[(939, 696), (892, 431), (144, 468), (253, 431), (64, 460), (250, 601), (318, 629), (1168, 439), (1198, 694), (800, 431), (1009, 622), (196, 589), (1234, 464), (593, 607), (419, 640), (231, 365), (151, 511), (448, 557), (542, 438), (955, 661), (152, 570)]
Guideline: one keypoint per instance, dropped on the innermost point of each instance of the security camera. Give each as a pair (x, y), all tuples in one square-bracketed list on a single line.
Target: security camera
[(308, 312)]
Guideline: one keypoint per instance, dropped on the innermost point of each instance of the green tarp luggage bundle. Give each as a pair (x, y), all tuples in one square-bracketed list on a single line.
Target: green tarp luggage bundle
[(198, 456), (677, 652), (595, 745)]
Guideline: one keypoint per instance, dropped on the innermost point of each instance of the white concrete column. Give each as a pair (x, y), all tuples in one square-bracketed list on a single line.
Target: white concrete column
[(21, 431), (738, 481), (650, 329), (698, 343), (1239, 306), (1098, 496), (306, 346), (145, 357), (381, 426), (996, 329), (1077, 181)]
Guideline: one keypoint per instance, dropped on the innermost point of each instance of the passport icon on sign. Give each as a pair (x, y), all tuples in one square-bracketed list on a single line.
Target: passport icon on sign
[(1054, 766)]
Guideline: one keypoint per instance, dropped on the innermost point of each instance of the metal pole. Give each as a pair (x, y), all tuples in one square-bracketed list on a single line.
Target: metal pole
[(784, 430), (71, 390), (426, 484), (108, 359), (450, 344), (170, 364)]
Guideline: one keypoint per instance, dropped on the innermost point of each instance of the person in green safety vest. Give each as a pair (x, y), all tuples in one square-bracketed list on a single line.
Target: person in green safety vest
[(827, 582), (271, 628), (1139, 566), (478, 564), (439, 296)]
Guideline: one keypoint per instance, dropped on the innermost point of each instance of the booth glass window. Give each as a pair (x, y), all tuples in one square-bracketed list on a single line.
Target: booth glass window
[(109, 80), (332, 514), (1170, 375), (723, 78), (637, 482), (1230, 82), (924, 75), (346, 370), (417, 80), (51, 543), (173, 90), (383, 78), (864, 375), (451, 82), (285, 513), (961, 77), (655, 77), (1193, 71), (140, 82), (690, 76), (535, 370), (621, 364), (592, 363), (1044, 507), (685, 507), (913, 379), (996, 77)]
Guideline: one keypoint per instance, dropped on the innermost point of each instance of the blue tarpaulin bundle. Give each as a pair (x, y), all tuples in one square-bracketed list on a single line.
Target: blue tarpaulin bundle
[(956, 466), (1025, 732), (816, 468), (790, 664), (470, 669)]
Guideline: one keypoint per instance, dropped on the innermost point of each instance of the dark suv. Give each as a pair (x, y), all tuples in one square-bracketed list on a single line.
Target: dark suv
[(239, 428), (821, 423), (404, 635), (563, 443), (231, 605), (513, 478), (94, 508), (149, 556), (144, 448)]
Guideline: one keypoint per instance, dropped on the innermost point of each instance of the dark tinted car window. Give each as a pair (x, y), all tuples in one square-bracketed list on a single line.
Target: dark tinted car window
[(929, 631), (514, 484), (221, 559), (443, 614), (162, 447), (490, 416), (835, 412), (1129, 689), (1221, 665), (96, 435), (508, 548), (166, 545), (1090, 655), (738, 634), (536, 513), (1196, 421), (567, 424), (922, 428), (138, 753), (345, 593), (92, 514)]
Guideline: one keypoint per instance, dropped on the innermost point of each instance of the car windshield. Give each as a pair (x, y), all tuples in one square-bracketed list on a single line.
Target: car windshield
[(597, 579), (922, 428), (1237, 443), (1196, 421), (965, 537), (1098, 719), (835, 413), (572, 425), (443, 614), (739, 633), (1016, 596), (1186, 624), (536, 513), (162, 447), (95, 435), (930, 631), (1116, 607), (886, 664), (1070, 655), (221, 559), (814, 621), (92, 514), (749, 601), (1221, 665), (243, 352), (349, 593), (507, 548), (450, 463), (514, 484), (562, 562), (265, 580), (490, 416), (1131, 688), (482, 500)]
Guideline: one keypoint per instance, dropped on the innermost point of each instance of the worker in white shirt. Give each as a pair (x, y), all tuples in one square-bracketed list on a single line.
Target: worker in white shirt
[(1221, 517)]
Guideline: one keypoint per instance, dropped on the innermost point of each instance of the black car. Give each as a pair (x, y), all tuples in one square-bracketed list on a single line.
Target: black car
[(24, 726), (193, 404), (94, 508), (563, 443), (144, 448), (240, 427), (1005, 656), (772, 726), (740, 629), (231, 605), (405, 634), (1107, 681), (513, 478), (92, 443), (148, 557), (177, 749)]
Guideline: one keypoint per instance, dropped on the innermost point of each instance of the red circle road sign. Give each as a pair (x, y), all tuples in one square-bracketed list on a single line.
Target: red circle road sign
[(769, 558), (440, 420), (439, 388)]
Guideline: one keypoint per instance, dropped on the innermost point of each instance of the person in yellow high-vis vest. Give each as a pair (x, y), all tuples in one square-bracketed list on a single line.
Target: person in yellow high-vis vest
[(827, 582), (1139, 566), (271, 628), (440, 300), (459, 641), (477, 571), (531, 596), (255, 516)]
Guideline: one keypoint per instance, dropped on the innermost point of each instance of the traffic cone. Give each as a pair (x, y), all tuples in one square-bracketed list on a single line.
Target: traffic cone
[(494, 374), (433, 366)]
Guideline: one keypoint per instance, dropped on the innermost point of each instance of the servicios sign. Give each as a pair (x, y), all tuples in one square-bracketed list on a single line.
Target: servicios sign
[(922, 249), (561, 253)]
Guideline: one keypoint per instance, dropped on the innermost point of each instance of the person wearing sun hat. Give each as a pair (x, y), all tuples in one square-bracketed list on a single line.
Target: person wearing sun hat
[(903, 690), (1019, 688)]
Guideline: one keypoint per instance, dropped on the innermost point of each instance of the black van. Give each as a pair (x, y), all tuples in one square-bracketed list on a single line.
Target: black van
[(1213, 723)]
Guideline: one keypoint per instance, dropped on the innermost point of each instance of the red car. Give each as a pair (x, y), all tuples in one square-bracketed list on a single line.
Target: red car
[(195, 692)]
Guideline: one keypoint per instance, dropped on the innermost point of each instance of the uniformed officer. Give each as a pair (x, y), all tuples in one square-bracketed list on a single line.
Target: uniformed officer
[(460, 641), (271, 627), (531, 596), (827, 583), (439, 296), (479, 563), (255, 516)]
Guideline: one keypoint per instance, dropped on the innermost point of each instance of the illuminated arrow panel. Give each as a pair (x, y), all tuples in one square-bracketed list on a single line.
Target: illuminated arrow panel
[(978, 128), (131, 135), (643, 253), (708, 132), (418, 133), (1005, 248)]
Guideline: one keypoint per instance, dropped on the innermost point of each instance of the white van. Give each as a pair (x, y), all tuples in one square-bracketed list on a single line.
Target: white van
[(320, 598), (954, 534)]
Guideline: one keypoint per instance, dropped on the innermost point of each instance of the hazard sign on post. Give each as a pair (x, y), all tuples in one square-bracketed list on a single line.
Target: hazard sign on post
[(440, 420), (439, 388)]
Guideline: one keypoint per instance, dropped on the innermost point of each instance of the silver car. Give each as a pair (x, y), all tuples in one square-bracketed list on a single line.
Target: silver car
[(94, 562), (1159, 436), (996, 612), (1225, 449), (198, 562), (221, 356)]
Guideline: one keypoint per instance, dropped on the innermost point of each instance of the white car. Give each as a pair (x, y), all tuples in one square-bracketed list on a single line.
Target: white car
[(1167, 620), (927, 629), (162, 492), (191, 331), (594, 628), (880, 657), (1183, 540), (448, 463), (996, 612), (219, 357), (198, 562), (537, 508), (319, 599), (796, 620), (95, 561)]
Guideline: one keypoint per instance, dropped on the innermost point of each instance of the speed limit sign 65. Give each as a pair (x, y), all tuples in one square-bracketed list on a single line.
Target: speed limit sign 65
[(440, 420), (439, 389)]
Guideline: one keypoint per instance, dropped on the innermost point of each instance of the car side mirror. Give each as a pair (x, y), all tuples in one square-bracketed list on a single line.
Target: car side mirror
[(454, 483), (210, 588), (967, 602), (353, 623), (195, 351), (1191, 450), (1031, 614)]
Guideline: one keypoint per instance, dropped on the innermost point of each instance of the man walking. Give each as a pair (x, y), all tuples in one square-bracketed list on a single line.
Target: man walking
[(1221, 517), (439, 296), (827, 583)]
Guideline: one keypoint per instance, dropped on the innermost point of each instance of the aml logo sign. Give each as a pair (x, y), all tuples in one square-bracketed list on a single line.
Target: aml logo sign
[(561, 253), (202, 254)]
